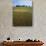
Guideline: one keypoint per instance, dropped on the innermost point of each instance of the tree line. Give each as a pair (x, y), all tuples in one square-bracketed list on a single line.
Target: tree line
[(21, 6)]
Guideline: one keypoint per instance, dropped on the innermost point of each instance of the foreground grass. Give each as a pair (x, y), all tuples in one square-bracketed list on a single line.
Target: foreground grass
[(22, 16)]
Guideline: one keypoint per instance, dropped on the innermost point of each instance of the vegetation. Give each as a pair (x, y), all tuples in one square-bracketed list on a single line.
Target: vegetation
[(22, 16), (21, 6)]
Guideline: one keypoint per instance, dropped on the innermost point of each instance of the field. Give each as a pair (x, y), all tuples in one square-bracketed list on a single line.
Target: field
[(22, 16)]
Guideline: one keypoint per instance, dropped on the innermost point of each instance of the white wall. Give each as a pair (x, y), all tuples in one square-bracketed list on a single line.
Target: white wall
[(38, 30)]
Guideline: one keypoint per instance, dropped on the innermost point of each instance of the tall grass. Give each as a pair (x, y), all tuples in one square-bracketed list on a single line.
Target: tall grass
[(22, 16)]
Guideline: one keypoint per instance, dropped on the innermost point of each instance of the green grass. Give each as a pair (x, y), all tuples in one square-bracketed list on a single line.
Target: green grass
[(22, 16)]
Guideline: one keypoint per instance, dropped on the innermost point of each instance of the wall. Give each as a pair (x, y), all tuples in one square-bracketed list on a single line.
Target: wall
[(37, 31)]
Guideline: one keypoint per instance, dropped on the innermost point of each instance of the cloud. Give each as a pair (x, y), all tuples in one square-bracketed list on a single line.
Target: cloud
[(22, 2)]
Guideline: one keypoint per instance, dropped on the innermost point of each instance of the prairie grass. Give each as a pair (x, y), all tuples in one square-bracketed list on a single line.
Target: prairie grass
[(22, 16)]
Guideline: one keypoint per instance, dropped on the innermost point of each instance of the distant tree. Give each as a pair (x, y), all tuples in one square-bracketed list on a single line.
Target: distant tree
[(22, 6), (17, 5)]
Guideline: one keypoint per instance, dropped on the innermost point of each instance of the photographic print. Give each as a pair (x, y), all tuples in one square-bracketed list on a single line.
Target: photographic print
[(22, 12)]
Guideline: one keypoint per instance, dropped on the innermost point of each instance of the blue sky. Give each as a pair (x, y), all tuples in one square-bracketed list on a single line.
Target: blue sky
[(22, 2)]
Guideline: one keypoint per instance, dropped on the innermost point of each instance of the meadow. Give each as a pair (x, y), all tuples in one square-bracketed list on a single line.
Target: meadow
[(22, 16)]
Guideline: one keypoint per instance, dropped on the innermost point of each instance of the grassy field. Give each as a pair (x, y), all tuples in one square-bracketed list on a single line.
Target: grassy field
[(22, 16)]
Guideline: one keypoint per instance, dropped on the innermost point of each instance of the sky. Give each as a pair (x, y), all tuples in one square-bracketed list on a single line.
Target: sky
[(22, 2)]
